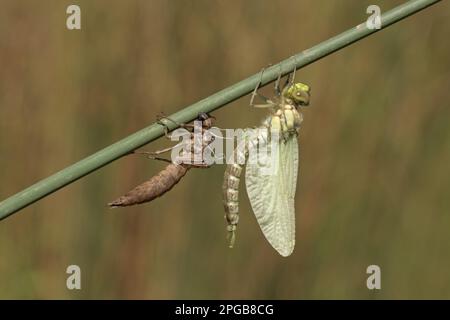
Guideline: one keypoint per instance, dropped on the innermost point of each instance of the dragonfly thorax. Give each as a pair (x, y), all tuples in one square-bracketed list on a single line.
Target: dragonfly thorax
[(286, 121)]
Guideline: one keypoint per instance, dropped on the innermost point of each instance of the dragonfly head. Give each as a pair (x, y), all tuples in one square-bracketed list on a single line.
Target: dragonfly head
[(299, 93), (206, 119)]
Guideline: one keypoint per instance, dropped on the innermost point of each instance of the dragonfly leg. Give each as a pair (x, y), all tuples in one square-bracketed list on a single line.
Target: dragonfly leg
[(267, 102), (155, 153), (295, 69), (161, 117), (291, 77), (277, 83), (181, 125), (200, 165), (288, 81), (166, 128), (217, 136), (160, 159), (219, 157)]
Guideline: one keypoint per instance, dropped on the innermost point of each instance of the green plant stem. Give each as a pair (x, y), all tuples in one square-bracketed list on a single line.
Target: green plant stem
[(215, 101)]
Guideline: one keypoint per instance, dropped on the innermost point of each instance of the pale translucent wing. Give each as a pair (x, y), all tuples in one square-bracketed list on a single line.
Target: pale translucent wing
[(272, 195)]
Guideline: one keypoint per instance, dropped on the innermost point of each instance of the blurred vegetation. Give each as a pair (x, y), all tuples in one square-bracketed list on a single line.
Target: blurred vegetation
[(374, 182)]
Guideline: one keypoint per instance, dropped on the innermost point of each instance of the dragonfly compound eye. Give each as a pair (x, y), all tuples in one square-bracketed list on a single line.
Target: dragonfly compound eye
[(299, 92)]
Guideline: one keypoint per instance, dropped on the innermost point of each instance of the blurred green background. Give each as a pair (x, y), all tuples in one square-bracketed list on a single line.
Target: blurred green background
[(374, 183)]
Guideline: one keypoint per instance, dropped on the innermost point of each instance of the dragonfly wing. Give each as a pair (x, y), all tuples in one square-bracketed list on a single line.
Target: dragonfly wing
[(271, 184)]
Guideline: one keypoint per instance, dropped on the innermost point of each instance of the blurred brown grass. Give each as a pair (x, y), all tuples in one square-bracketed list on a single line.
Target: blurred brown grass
[(374, 177)]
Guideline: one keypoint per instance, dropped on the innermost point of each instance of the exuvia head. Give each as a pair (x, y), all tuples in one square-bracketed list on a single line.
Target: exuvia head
[(206, 119), (299, 93)]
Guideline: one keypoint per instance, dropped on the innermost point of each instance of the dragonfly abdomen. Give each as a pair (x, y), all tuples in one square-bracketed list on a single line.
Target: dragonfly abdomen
[(153, 188), (231, 181)]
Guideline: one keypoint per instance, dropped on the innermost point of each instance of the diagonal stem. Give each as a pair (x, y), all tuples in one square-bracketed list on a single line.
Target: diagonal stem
[(125, 146)]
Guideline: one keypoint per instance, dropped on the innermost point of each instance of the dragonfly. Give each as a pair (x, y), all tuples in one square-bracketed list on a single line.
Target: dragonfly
[(166, 179), (270, 188)]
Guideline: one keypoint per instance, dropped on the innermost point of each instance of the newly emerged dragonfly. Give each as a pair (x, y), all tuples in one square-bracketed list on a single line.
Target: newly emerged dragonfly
[(172, 174), (270, 179)]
